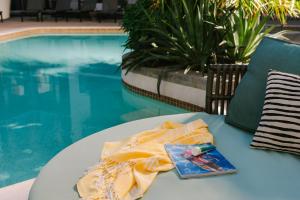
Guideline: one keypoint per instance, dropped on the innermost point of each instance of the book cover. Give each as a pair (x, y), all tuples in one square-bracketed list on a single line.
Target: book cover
[(206, 164)]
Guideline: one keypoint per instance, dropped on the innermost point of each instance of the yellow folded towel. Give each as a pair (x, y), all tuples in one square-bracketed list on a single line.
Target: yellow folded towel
[(128, 167)]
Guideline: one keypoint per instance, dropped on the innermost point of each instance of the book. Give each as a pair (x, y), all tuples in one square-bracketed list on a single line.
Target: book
[(207, 163)]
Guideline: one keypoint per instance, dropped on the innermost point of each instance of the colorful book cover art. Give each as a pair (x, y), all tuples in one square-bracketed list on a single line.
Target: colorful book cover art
[(206, 164)]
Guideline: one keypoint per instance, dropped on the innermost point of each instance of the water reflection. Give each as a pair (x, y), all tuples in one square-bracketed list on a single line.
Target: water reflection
[(57, 90)]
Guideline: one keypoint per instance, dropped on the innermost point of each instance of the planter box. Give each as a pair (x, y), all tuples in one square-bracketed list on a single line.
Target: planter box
[(5, 8), (192, 91), (189, 89)]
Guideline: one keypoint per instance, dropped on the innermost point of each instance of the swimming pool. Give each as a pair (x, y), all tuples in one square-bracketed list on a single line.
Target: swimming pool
[(55, 90)]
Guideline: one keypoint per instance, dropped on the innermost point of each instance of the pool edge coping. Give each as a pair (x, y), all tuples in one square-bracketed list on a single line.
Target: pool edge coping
[(17, 190), (34, 31)]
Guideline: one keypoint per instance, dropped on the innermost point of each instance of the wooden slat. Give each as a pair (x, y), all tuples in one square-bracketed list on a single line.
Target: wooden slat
[(209, 90), (223, 86), (236, 78), (230, 74), (217, 90), (222, 81)]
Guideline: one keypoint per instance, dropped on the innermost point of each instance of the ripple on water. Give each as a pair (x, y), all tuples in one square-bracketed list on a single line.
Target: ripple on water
[(4, 176), (27, 151)]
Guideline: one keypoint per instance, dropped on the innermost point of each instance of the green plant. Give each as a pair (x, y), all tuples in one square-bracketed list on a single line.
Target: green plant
[(247, 26), (278, 9), (243, 34), (184, 37), (135, 21), (191, 34)]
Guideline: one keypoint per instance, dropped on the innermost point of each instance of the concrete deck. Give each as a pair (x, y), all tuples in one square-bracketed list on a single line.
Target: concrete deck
[(16, 24), (14, 28), (19, 191)]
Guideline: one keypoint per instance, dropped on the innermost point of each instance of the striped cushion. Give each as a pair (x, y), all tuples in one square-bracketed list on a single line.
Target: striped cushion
[(279, 127)]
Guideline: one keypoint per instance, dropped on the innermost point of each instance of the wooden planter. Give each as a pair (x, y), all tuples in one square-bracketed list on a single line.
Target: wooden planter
[(222, 80)]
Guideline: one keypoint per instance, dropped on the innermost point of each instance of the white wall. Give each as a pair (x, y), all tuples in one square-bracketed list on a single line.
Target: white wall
[(5, 8)]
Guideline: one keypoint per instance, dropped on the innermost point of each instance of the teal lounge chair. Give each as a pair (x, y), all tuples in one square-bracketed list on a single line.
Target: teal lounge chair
[(261, 175)]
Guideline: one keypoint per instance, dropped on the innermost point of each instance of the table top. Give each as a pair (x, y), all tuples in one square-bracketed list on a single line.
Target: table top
[(262, 175)]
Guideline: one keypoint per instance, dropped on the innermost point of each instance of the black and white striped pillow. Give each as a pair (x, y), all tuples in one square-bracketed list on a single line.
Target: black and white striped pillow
[(279, 127)]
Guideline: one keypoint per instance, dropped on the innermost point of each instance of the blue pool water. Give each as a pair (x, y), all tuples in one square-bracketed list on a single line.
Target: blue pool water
[(55, 90)]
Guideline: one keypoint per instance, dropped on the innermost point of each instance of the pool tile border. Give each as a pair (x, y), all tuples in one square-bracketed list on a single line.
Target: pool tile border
[(25, 32), (166, 99)]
